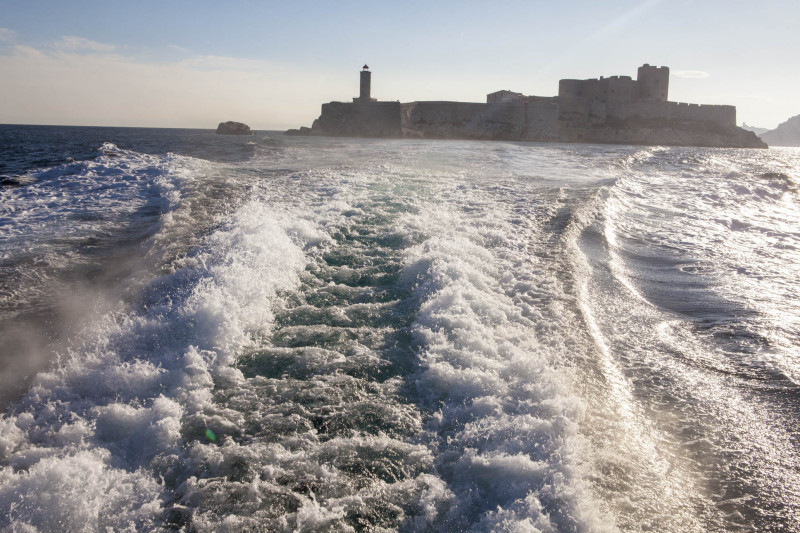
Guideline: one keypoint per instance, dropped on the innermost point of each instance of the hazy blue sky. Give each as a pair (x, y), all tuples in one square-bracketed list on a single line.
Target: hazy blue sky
[(271, 64)]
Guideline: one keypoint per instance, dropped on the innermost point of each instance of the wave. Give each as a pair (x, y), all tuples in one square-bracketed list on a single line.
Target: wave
[(118, 402), (504, 418), (395, 336), (678, 341), (83, 236)]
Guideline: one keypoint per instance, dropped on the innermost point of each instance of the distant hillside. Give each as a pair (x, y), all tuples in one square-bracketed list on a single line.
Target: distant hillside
[(754, 129), (786, 134)]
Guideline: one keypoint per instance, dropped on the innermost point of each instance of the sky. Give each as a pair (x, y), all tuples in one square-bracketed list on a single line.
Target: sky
[(179, 63)]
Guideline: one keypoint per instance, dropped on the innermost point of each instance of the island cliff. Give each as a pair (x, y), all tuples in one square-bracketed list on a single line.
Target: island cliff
[(616, 110), (786, 134)]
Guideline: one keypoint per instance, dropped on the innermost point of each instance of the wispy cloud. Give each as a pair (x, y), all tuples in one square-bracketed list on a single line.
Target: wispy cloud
[(690, 74), (197, 91), (72, 43), (28, 52), (7, 36)]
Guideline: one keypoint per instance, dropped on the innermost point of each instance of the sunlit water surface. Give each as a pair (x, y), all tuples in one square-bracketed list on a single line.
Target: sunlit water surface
[(312, 334)]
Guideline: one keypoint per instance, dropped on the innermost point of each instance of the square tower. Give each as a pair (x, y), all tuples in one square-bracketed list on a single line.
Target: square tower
[(653, 83)]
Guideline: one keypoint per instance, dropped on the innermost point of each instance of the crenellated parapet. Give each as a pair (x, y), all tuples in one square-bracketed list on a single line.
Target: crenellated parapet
[(723, 115), (651, 85)]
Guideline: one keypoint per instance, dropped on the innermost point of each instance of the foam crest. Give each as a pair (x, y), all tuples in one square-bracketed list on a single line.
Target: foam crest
[(128, 397), (96, 197), (76, 238), (505, 423), (80, 492), (252, 260), (138, 434)]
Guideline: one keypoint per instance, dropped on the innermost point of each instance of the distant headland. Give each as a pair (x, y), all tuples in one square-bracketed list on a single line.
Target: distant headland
[(613, 110), (786, 134)]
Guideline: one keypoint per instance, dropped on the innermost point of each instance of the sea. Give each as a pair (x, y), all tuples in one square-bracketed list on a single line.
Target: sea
[(268, 333)]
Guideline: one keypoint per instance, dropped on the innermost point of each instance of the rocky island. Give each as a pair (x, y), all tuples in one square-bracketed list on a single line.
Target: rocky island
[(233, 128), (614, 110), (786, 134)]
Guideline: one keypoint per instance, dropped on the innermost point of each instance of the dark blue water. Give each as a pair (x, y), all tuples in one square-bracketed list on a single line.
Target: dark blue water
[(23, 148), (268, 333)]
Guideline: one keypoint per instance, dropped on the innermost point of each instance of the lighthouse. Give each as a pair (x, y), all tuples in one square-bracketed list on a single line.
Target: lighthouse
[(366, 83)]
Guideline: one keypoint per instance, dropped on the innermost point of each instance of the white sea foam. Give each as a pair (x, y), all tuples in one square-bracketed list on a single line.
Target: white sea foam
[(86, 198), (505, 424), (392, 335), (77, 447), (81, 491)]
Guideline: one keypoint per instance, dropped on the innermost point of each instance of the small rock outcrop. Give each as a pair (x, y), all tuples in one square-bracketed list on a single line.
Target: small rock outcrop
[(298, 132), (786, 134), (233, 128)]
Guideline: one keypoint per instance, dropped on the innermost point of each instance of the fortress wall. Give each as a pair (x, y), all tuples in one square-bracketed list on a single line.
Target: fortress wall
[(574, 113), (723, 115), (569, 89), (453, 112), (465, 120), (359, 119), (406, 109), (598, 113), (595, 90), (543, 120), (620, 89), (614, 89), (573, 120)]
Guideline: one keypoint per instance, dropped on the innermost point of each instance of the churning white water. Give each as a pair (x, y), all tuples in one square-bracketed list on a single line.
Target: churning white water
[(308, 334)]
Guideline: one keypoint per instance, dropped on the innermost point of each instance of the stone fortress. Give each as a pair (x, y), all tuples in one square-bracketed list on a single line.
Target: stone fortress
[(617, 109)]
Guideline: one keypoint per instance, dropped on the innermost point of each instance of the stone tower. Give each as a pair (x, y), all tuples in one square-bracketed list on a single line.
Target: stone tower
[(653, 83), (366, 82)]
